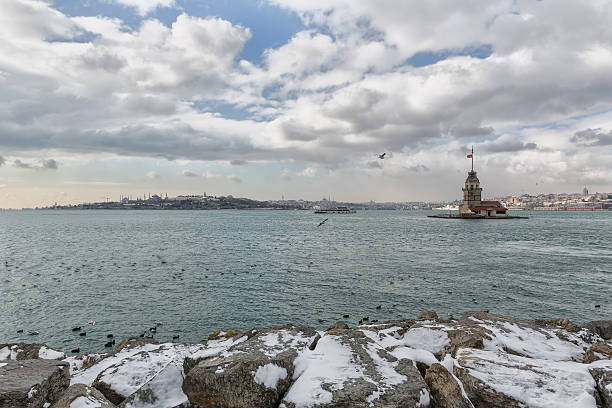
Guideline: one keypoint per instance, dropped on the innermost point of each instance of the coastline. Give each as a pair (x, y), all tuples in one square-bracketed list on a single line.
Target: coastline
[(480, 359)]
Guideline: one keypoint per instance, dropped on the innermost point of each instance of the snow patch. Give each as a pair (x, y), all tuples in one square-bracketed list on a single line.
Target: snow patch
[(50, 354), (534, 382), (269, 375), (416, 355), (32, 392), (424, 399), (11, 353), (331, 363), (85, 402), (425, 338), (166, 386), (278, 341), (542, 344)]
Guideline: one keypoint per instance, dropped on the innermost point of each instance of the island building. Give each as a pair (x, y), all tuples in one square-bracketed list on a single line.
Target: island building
[(473, 206), (472, 197)]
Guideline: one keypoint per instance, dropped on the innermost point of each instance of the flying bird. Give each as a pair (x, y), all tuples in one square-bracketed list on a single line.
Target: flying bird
[(382, 156), (322, 222)]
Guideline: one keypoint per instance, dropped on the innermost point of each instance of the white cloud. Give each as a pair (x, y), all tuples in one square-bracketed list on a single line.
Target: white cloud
[(333, 96), (153, 175), (208, 175), (308, 172), (234, 178), (145, 6), (285, 175), (189, 173)]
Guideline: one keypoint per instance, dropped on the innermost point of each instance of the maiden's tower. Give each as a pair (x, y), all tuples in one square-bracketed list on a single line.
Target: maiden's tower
[(473, 206)]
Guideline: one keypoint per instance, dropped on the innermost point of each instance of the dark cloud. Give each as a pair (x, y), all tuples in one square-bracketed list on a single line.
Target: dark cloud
[(467, 131), (297, 131), (189, 173), (21, 165), (418, 168), (592, 137), (2, 161), (374, 165), (505, 144), (50, 164), (238, 162)]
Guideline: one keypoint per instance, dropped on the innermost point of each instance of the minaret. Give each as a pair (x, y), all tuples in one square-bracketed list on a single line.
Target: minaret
[(471, 192)]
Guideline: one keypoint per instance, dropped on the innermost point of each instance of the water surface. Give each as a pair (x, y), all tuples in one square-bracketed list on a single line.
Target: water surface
[(198, 271)]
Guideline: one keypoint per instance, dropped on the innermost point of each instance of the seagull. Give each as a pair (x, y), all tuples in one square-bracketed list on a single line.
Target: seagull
[(382, 156), (322, 222)]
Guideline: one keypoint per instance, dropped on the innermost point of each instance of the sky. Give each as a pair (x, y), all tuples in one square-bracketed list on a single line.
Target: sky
[(297, 98)]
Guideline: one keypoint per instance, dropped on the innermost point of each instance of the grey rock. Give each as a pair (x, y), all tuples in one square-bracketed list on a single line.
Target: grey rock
[(81, 391), (603, 381), (147, 374), (22, 351), (31, 383), (338, 326), (598, 351), (444, 389), (428, 315), (347, 369), (499, 380), (602, 327), (253, 373)]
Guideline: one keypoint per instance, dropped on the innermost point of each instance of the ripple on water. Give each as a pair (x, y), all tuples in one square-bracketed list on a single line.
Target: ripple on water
[(201, 271)]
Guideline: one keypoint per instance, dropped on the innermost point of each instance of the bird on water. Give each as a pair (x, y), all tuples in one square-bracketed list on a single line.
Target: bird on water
[(323, 222)]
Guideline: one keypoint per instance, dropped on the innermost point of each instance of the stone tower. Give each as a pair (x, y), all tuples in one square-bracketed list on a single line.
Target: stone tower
[(472, 193)]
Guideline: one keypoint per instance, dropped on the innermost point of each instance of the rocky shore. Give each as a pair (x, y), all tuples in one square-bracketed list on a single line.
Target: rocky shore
[(478, 360)]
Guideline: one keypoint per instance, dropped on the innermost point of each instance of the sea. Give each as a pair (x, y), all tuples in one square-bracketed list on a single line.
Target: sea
[(193, 272)]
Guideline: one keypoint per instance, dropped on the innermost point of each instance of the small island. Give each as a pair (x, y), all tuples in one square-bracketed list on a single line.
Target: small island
[(473, 207)]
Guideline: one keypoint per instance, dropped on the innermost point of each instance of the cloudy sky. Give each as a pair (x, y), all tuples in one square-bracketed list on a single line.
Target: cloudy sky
[(264, 98)]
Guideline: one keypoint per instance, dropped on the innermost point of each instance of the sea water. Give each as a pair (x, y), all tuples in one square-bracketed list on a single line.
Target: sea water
[(198, 271)]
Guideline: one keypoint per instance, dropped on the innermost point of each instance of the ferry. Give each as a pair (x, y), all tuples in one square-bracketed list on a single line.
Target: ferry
[(335, 210)]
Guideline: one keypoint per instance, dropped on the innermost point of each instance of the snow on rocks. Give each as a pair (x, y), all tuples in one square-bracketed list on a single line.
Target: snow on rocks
[(255, 371), (349, 369), (82, 396), (29, 383), (161, 364), (28, 351), (602, 373), (445, 388), (506, 380)]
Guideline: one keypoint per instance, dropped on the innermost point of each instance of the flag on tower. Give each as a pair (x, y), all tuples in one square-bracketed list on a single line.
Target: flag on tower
[(469, 156)]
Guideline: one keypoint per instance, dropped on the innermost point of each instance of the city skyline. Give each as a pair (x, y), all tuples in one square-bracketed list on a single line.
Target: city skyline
[(286, 97)]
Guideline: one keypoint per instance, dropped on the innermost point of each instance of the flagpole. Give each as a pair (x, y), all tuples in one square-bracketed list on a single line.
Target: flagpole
[(472, 158)]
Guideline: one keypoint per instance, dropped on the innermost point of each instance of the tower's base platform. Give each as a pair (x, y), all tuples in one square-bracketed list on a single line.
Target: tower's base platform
[(475, 217)]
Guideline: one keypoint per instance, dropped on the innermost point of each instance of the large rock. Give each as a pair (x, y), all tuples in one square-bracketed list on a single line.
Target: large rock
[(499, 380), (152, 376), (28, 351), (598, 351), (255, 372), (602, 327), (31, 383), (529, 338), (444, 389), (348, 369), (603, 380), (82, 396)]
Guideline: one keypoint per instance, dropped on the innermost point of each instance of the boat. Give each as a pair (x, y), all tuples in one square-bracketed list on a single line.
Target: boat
[(335, 210), (447, 207)]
